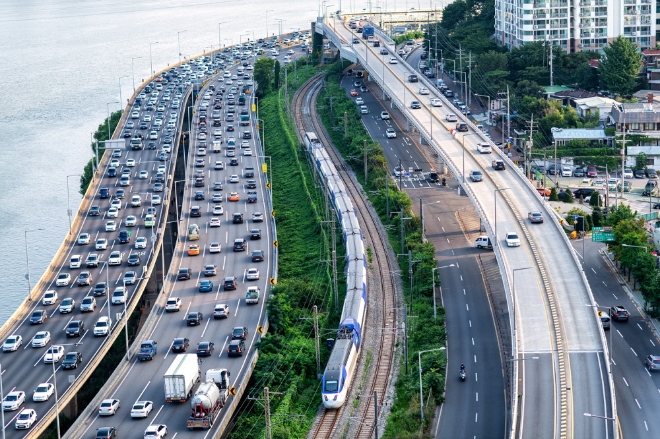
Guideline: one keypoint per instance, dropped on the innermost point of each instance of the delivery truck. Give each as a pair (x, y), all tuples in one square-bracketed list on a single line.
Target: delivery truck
[(181, 377)]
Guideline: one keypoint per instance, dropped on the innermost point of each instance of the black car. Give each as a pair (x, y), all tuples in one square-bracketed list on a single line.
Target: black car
[(639, 173), (230, 283), (205, 349), (235, 348), (94, 211), (75, 328), (251, 184), (180, 344), (233, 162), (199, 182), (229, 127), (106, 433), (38, 317), (237, 218), (199, 195), (184, 274), (258, 256), (247, 135), (255, 234), (195, 211), (194, 318), (100, 289), (415, 105), (239, 333), (72, 360), (134, 259)]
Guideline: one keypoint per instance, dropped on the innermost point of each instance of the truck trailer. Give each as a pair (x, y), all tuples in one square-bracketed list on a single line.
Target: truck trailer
[(209, 399), (181, 377)]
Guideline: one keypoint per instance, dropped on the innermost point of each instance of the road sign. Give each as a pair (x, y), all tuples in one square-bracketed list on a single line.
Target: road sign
[(275, 243), (273, 281), (260, 329), (602, 237), (596, 229), (264, 167), (232, 390)]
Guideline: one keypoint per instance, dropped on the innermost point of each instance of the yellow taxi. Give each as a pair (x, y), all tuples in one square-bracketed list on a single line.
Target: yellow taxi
[(233, 196), (193, 250)]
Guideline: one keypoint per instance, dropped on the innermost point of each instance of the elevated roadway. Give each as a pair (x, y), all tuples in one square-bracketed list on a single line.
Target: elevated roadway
[(560, 356)]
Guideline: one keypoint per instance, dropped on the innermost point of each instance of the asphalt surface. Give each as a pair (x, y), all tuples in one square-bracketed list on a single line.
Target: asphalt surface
[(24, 369), (474, 408)]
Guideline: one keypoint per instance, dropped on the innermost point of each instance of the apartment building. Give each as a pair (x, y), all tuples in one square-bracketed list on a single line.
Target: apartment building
[(575, 25)]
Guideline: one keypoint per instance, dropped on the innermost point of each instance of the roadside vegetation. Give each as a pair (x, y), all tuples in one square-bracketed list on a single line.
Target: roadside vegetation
[(100, 135), (344, 124)]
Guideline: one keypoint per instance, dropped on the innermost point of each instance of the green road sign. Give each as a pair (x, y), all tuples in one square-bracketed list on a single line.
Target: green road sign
[(602, 236)]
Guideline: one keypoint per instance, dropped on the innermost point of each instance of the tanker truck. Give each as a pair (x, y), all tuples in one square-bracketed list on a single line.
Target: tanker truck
[(209, 399)]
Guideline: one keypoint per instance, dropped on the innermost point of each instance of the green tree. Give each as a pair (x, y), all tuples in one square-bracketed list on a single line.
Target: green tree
[(454, 14), (569, 196), (529, 88), (553, 194), (276, 75), (620, 66), (597, 217), (595, 199), (644, 268), (263, 75), (640, 161), (620, 213)]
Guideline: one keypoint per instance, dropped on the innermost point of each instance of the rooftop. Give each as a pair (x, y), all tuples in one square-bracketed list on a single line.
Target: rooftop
[(579, 133)]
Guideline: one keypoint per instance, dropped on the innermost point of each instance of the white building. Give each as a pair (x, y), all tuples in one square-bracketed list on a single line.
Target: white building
[(576, 25)]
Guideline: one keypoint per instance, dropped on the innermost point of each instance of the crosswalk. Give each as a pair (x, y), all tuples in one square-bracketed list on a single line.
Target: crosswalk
[(414, 181)]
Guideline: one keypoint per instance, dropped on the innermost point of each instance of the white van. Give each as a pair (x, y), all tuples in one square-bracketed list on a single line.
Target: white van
[(483, 242), (217, 146)]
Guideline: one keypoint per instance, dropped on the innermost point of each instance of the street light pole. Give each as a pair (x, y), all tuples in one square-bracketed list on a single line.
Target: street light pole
[(220, 34), (435, 313), (68, 200), (464, 136), (121, 102), (488, 112), (421, 395), (107, 106), (421, 214), (495, 197), (178, 40), (133, 69), (267, 11), (27, 261), (151, 59)]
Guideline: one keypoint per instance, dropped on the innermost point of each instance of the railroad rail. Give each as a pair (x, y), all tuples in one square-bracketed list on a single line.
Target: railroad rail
[(382, 287)]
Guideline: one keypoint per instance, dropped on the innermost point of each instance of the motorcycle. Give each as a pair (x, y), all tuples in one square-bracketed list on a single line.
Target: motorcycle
[(444, 182), (462, 374)]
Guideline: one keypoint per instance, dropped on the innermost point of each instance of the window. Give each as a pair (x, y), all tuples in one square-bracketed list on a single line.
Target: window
[(649, 126), (650, 162), (330, 386)]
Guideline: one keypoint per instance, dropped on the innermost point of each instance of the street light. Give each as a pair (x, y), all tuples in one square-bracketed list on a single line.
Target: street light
[(240, 38), (107, 106), (421, 210), (151, 59), (133, 69), (27, 260), (495, 197), (178, 40), (121, 102), (636, 246), (220, 34), (435, 313), (68, 200), (488, 112), (57, 403), (419, 360), (267, 11)]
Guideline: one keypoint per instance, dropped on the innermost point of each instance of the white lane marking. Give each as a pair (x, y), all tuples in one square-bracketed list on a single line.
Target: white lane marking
[(633, 351), (237, 305), (625, 382), (476, 417), (652, 342), (594, 271), (604, 283), (143, 390), (614, 295), (206, 326), (156, 415), (467, 307), (637, 402), (472, 341), (187, 309), (640, 327), (223, 346)]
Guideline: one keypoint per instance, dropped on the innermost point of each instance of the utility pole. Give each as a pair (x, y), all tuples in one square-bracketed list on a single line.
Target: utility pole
[(508, 114), (316, 336), (405, 334), (366, 170), (387, 196), (410, 278), (550, 63), (468, 89), (334, 262), (529, 144), (460, 65), (345, 123), (269, 433)]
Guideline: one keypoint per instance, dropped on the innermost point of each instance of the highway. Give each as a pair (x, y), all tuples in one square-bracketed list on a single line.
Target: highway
[(474, 408), (144, 379), (24, 369), (568, 375)]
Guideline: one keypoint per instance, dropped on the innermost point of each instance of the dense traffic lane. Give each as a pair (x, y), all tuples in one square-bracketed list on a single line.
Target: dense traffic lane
[(145, 380)]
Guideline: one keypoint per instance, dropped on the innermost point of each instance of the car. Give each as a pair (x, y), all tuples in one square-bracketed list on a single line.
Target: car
[(205, 349), (592, 172), (67, 305), (221, 311), (651, 173), (415, 105), (100, 289), (535, 217), (257, 217), (247, 152), (130, 163), (159, 187), (252, 274), (353, 92), (88, 304), (130, 221), (619, 313), (384, 51), (43, 392), (108, 407), (194, 318), (155, 431), (639, 173), (195, 211), (234, 179), (75, 328), (435, 102), (210, 270), (217, 186), (462, 127), (199, 195), (25, 419), (652, 362), (72, 360), (173, 304), (63, 279), (101, 244), (141, 409), (390, 133), (184, 273), (106, 433), (476, 175), (258, 256), (113, 212), (84, 279), (451, 117), (512, 239), (424, 91), (141, 242), (111, 226), (180, 344), (83, 239), (54, 354), (393, 60), (95, 211), (239, 333), (230, 283), (219, 165), (205, 286), (115, 258), (193, 250), (359, 101), (12, 343), (50, 297), (13, 400), (235, 348), (218, 210), (41, 339), (130, 278)]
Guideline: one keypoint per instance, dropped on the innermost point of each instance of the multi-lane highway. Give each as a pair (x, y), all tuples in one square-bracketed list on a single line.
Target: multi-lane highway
[(94, 264), (569, 373), (213, 181)]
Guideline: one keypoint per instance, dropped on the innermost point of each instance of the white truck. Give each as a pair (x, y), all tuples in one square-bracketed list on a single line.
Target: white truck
[(217, 146), (209, 399), (181, 377)]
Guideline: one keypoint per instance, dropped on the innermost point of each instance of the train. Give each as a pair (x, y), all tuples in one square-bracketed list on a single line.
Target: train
[(341, 367)]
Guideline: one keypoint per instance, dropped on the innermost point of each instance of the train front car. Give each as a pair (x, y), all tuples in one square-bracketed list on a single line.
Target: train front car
[(340, 369)]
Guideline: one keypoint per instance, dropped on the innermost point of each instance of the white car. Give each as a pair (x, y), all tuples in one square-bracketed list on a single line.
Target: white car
[(12, 343), (108, 407), (13, 400), (102, 326), (173, 304), (130, 221), (25, 419), (233, 179), (101, 244), (111, 226), (221, 311), (153, 135), (75, 261), (141, 409), (113, 212), (43, 392), (67, 305), (54, 354), (215, 222), (218, 210), (155, 431), (390, 133), (424, 91), (451, 117), (215, 247), (247, 152), (115, 258), (41, 339), (141, 242), (119, 296), (359, 101), (436, 102), (143, 175), (130, 163), (512, 239), (155, 200), (63, 280), (393, 61), (83, 239), (252, 274), (201, 151), (50, 297)]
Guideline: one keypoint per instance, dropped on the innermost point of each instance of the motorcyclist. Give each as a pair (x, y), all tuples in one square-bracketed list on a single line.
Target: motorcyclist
[(462, 367)]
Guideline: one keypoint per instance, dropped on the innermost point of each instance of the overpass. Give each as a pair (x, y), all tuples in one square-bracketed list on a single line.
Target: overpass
[(560, 365)]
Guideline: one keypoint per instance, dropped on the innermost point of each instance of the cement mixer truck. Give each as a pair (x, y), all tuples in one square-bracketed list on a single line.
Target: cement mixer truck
[(209, 399)]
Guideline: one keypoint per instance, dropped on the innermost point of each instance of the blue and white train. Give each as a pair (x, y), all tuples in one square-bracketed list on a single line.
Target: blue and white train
[(341, 366)]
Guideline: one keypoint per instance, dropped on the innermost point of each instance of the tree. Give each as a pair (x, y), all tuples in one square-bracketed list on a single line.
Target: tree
[(595, 200), (454, 14), (277, 75), (597, 217), (640, 161), (553, 194), (263, 75), (619, 213), (569, 196), (620, 66)]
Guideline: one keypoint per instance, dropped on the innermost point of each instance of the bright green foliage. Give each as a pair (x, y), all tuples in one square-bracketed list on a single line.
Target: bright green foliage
[(640, 161), (263, 75), (620, 213), (595, 199), (569, 196), (409, 36), (620, 66), (553, 194), (276, 75), (100, 135)]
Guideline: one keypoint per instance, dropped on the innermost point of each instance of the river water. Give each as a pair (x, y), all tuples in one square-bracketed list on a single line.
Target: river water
[(62, 63)]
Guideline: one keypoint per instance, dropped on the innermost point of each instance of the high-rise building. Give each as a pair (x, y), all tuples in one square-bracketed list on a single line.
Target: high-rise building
[(575, 25)]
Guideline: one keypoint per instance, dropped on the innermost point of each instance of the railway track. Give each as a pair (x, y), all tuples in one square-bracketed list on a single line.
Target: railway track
[(381, 288)]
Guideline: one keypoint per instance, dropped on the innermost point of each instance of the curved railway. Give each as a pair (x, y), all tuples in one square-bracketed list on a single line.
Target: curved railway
[(382, 287)]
